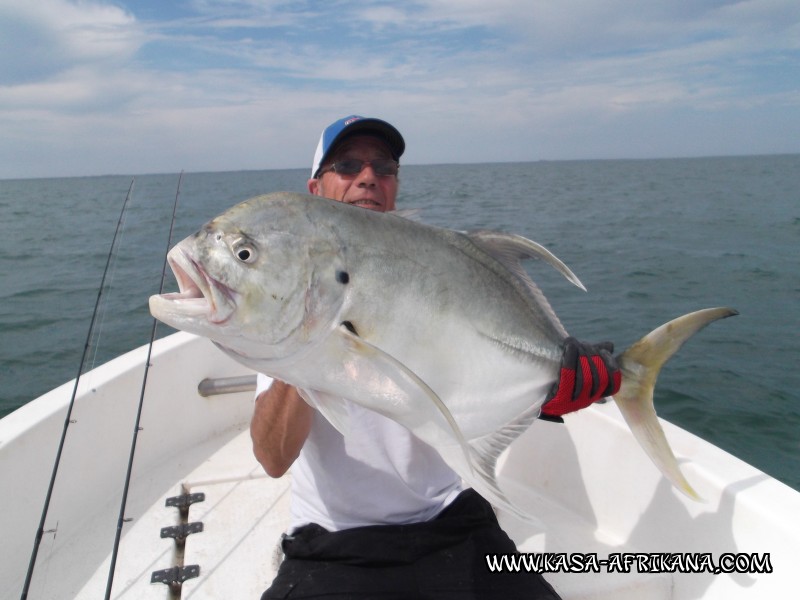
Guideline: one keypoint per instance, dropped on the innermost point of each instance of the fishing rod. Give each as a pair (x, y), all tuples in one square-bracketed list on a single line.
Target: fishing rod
[(70, 406), (137, 427)]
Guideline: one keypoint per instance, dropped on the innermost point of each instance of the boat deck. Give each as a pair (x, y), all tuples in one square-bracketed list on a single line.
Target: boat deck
[(243, 514), (240, 520), (591, 487)]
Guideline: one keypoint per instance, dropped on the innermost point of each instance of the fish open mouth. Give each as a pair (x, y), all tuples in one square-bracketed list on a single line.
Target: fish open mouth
[(200, 294)]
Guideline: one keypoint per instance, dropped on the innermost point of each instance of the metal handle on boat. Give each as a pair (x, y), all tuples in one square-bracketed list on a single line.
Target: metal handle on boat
[(226, 385)]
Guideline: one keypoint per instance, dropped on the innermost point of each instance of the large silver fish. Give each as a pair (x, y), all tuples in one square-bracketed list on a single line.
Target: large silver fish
[(439, 330)]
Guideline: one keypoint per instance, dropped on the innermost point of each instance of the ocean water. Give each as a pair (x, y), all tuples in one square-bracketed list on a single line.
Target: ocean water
[(650, 239)]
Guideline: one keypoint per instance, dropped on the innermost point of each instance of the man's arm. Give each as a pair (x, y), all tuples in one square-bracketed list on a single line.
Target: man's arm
[(279, 428)]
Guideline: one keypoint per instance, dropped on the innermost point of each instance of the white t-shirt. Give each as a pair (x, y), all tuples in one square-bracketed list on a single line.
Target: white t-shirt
[(380, 474)]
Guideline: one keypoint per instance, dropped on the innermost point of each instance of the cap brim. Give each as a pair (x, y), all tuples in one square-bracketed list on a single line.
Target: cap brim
[(364, 126)]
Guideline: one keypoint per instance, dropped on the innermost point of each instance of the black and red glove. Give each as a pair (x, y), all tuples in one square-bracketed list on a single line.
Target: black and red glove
[(588, 373)]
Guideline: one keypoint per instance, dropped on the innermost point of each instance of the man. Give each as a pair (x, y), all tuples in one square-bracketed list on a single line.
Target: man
[(378, 514)]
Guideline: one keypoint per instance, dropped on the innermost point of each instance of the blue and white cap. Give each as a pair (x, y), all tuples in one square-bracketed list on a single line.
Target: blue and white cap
[(338, 130)]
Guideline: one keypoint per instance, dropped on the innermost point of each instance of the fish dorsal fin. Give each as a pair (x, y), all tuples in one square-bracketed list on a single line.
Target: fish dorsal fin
[(412, 214), (511, 249)]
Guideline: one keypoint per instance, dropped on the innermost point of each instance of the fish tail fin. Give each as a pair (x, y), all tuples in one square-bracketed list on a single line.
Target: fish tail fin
[(640, 366)]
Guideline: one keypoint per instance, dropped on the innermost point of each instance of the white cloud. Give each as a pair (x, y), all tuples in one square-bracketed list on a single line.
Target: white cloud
[(247, 84), (45, 37)]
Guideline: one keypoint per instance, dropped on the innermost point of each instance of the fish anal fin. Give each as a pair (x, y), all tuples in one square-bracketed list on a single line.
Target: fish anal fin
[(488, 450)]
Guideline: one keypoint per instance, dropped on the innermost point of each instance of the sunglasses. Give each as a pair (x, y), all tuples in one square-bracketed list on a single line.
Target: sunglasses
[(383, 167)]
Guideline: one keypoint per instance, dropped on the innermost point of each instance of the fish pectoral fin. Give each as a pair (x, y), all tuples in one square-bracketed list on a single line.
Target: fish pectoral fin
[(380, 382), (640, 365), (510, 249), (332, 408)]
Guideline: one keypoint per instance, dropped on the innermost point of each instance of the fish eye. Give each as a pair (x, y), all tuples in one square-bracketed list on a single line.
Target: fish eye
[(244, 251)]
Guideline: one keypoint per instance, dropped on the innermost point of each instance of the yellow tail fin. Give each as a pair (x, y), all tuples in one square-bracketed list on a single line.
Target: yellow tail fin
[(640, 366)]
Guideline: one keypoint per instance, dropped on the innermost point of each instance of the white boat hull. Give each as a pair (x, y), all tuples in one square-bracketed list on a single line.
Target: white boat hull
[(594, 491)]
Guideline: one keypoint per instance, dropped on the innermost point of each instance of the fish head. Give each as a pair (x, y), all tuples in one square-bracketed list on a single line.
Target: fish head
[(260, 281)]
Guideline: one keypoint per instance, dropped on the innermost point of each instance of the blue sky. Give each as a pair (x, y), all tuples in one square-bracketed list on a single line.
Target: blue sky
[(140, 86)]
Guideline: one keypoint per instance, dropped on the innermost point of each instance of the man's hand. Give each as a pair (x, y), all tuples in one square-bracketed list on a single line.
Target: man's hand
[(588, 373), (279, 427)]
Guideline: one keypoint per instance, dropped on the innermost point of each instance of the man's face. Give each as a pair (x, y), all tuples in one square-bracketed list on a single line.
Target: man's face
[(366, 189)]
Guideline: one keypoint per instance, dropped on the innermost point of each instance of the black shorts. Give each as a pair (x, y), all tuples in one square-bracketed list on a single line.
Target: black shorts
[(442, 558)]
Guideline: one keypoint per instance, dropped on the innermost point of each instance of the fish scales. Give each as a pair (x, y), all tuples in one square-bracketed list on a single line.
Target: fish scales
[(441, 331), (448, 298)]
